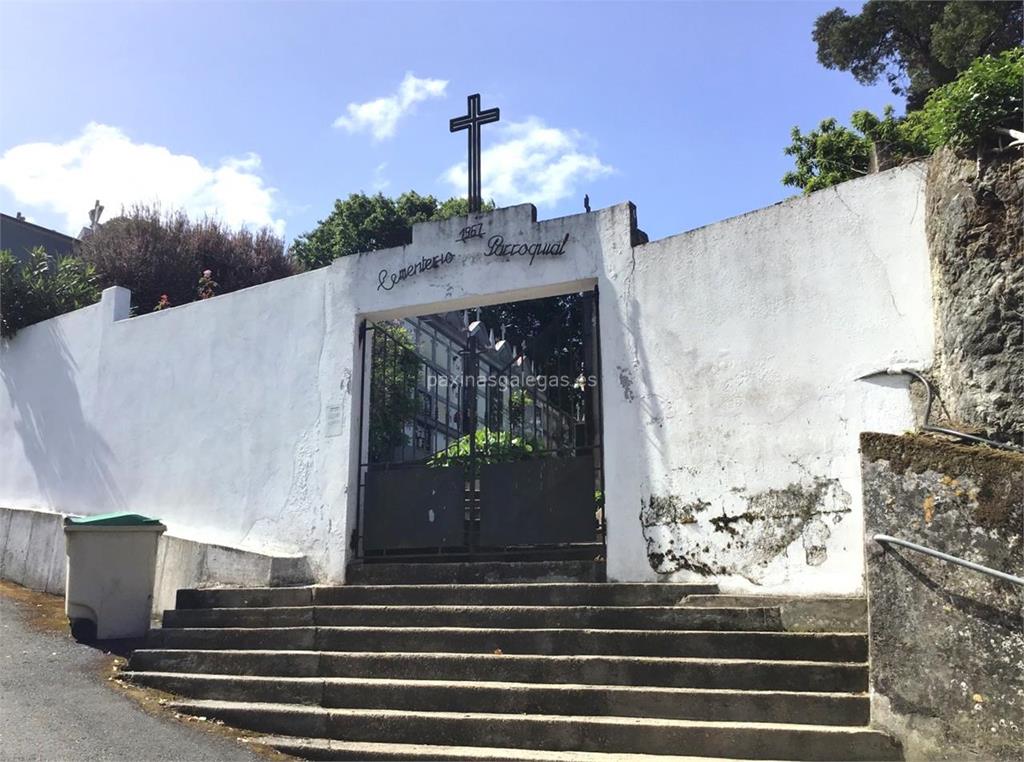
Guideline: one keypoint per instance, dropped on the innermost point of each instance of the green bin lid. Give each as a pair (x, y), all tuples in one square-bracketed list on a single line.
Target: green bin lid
[(112, 520)]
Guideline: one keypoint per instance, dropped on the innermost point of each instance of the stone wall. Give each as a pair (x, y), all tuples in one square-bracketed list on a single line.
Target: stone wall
[(32, 554), (974, 223), (947, 644)]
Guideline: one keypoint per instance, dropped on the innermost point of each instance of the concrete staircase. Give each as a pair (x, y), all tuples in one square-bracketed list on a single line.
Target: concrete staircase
[(513, 671)]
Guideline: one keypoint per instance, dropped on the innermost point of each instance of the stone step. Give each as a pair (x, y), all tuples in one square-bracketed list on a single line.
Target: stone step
[(529, 594), (555, 732), (474, 572), (520, 698), (535, 594), (799, 613), (244, 597), (740, 674), (518, 617), (235, 638), (696, 643), (330, 749)]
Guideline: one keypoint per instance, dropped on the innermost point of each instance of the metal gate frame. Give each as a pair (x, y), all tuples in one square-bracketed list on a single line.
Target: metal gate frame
[(491, 491)]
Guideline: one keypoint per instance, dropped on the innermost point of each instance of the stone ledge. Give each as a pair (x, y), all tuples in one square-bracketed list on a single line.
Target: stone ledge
[(32, 554)]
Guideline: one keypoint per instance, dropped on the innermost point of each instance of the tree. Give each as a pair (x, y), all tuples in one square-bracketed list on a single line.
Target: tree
[(157, 255), (964, 114), (967, 112), (826, 156), (366, 223), (917, 46), (833, 154), (40, 288), (892, 140)]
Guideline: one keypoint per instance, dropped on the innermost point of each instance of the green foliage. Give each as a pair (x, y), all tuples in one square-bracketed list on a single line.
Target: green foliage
[(965, 112), (157, 255), (917, 46), (833, 153), (962, 114), (491, 447), (207, 288), (366, 223), (826, 156), (890, 137), (394, 371), (518, 401), (39, 288)]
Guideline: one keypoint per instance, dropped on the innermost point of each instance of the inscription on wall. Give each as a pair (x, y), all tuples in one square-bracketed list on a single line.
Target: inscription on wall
[(471, 231), (497, 247), (387, 280)]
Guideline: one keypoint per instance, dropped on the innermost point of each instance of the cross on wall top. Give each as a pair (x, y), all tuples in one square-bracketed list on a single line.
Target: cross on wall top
[(472, 121)]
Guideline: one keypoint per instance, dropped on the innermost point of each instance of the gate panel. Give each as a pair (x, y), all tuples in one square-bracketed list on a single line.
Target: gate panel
[(414, 506), (477, 446), (544, 501)]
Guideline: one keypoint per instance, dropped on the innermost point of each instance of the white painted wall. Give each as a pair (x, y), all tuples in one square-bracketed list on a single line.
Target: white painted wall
[(728, 353), (749, 337)]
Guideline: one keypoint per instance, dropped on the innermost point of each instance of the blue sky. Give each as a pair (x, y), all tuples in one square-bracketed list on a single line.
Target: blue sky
[(267, 112)]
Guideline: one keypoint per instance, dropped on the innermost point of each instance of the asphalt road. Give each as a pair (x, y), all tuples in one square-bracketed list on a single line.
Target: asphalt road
[(56, 706)]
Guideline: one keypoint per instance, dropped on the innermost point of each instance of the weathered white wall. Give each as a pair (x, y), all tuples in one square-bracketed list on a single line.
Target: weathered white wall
[(198, 416), (750, 336), (213, 416), (729, 363)]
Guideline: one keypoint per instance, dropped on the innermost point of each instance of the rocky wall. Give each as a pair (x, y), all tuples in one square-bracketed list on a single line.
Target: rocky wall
[(947, 643), (975, 214)]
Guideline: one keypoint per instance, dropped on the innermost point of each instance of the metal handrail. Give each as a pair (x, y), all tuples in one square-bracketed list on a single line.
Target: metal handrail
[(885, 539)]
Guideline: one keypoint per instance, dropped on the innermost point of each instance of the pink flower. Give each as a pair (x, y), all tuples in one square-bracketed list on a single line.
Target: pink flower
[(207, 273)]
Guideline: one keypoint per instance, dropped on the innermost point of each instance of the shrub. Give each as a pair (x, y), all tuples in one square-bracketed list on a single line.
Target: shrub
[(162, 257), (40, 288), (965, 113), (826, 156), (490, 447), (890, 139)]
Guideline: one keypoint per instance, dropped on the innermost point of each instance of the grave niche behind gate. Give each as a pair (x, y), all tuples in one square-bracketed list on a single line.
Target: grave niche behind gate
[(482, 436)]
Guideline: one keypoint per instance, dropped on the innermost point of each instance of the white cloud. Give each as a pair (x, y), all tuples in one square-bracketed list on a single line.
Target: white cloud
[(380, 182), (104, 163), (532, 163), (380, 117)]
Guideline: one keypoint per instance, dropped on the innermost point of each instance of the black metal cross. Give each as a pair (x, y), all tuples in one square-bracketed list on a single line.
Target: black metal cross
[(472, 122)]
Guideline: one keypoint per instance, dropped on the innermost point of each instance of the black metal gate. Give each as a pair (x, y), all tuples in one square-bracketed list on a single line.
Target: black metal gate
[(482, 434)]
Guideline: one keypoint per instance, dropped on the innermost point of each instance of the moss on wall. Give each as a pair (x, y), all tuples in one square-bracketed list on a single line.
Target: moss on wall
[(947, 643), (998, 472)]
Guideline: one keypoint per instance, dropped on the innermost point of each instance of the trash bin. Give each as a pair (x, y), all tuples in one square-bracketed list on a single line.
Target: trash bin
[(111, 566)]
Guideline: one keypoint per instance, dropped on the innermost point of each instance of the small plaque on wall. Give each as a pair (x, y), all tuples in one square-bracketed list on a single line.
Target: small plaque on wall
[(333, 420)]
